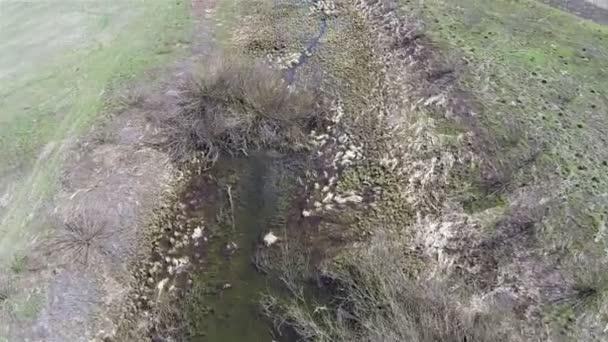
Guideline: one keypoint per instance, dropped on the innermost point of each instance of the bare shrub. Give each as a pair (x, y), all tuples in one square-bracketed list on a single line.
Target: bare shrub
[(288, 264), (378, 299), (81, 238), (299, 318), (233, 106)]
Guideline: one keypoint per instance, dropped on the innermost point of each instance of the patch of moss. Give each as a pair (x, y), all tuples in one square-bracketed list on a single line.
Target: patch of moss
[(346, 56), (276, 28)]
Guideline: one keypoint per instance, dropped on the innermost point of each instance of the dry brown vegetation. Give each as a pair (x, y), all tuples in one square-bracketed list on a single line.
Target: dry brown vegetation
[(288, 264), (233, 106), (81, 238), (377, 298), (6, 290), (486, 219)]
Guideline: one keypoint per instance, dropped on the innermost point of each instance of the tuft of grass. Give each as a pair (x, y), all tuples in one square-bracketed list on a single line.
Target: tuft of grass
[(584, 299), (589, 286), (18, 264), (81, 238), (27, 308), (289, 262), (234, 106), (6, 291)]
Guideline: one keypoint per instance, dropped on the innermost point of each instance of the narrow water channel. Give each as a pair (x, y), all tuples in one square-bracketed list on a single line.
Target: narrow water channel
[(256, 192), (250, 196), (290, 76)]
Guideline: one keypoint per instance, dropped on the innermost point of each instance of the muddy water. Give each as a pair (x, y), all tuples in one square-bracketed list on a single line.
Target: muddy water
[(247, 198), (251, 197)]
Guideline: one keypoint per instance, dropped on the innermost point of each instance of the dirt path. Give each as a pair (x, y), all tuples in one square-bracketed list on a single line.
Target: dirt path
[(203, 38), (596, 10)]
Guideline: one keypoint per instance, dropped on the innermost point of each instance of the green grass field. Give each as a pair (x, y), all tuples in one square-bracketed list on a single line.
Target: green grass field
[(60, 60), (541, 76)]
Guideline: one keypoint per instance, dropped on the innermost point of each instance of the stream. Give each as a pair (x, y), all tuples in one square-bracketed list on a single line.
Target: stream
[(239, 201), (225, 292), (307, 53)]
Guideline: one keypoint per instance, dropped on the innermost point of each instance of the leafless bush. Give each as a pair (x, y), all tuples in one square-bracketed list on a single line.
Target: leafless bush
[(80, 238), (379, 300), (309, 324), (233, 106), (288, 264)]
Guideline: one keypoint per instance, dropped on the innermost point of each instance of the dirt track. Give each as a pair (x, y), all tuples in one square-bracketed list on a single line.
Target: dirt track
[(596, 10)]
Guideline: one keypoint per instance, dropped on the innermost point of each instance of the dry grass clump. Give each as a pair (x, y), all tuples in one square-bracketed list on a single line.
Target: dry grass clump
[(233, 106), (289, 264), (378, 299), (6, 291), (81, 239), (589, 285)]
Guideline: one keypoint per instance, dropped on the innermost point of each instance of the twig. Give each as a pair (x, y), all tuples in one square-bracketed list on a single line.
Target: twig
[(231, 207)]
